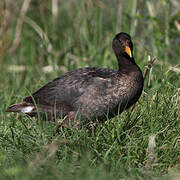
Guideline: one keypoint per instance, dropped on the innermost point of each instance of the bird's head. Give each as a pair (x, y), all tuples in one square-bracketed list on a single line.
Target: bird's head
[(122, 45)]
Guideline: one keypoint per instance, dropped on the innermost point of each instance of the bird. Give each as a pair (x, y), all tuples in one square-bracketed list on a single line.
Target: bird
[(90, 93)]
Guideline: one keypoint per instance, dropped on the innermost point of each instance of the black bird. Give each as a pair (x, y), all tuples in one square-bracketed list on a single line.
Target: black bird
[(89, 93)]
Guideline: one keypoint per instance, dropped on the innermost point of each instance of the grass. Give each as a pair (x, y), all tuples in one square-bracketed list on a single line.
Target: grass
[(143, 144)]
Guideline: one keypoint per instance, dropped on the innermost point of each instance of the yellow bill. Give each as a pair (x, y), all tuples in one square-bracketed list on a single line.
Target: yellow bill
[(128, 51)]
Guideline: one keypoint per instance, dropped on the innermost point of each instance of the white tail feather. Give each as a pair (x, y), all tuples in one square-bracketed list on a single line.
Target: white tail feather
[(27, 109)]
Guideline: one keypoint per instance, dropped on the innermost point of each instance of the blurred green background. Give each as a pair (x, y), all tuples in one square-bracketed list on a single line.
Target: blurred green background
[(42, 39)]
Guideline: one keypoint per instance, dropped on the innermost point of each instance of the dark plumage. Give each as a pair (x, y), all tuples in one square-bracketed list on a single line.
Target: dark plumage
[(93, 92)]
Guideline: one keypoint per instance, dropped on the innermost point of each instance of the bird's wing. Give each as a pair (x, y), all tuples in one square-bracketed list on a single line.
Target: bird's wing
[(63, 92)]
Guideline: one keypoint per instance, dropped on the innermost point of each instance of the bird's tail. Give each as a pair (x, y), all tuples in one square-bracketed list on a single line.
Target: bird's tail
[(23, 107)]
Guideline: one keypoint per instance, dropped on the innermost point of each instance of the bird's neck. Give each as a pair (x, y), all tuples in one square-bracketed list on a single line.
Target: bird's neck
[(125, 60)]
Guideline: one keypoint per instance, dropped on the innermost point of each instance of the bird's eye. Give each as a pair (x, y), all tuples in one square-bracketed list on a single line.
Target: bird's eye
[(127, 42)]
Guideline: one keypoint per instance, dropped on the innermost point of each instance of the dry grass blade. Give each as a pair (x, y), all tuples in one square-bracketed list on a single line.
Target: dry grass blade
[(151, 152), (4, 13), (55, 9), (175, 69), (177, 25), (119, 17), (148, 66), (19, 25), (39, 30), (177, 141), (170, 67), (150, 77), (16, 68)]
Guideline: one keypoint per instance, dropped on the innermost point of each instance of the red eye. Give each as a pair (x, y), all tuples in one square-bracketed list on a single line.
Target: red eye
[(127, 42)]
